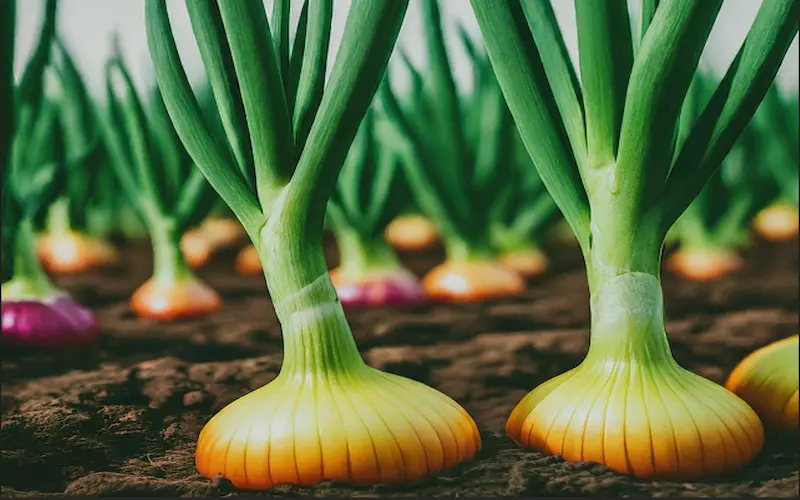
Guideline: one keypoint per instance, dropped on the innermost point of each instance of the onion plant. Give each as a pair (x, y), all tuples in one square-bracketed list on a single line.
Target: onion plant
[(454, 150), (327, 415), (777, 120), (65, 247), (369, 194), (522, 216), (768, 380), (715, 225), (34, 311), (168, 193), (603, 146)]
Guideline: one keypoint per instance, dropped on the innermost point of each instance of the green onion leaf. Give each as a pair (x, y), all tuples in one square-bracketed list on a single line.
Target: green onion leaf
[(311, 77), (267, 113), (518, 65), (214, 160), (732, 106), (215, 53)]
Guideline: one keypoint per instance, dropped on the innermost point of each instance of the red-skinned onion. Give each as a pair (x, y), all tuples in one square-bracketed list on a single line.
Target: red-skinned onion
[(55, 321), (391, 289)]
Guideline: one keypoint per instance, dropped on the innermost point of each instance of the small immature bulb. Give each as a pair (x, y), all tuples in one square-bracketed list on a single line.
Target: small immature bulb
[(528, 263), (703, 265), (247, 261), (767, 380), (222, 232), (466, 281), (778, 222), (73, 252), (195, 248), (410, 233), (173, 300)]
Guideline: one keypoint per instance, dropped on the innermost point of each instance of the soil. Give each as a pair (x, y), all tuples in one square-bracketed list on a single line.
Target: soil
[(121, 418)]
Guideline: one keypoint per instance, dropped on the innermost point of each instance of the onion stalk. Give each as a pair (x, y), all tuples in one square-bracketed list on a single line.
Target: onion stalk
[(168, 193), (604, 149), (369, 194), (777, 119), (66, 246), (34, 311), (768, 380), (454, 151), (327, 415)]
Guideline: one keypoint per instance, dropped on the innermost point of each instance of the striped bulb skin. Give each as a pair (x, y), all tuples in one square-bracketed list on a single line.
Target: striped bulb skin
[(653, 420), (359, 426), (768, 380)]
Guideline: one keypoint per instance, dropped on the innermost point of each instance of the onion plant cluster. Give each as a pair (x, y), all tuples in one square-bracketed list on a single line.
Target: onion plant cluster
[(607, 148), (455, 151), (34, 311), (287, 131)]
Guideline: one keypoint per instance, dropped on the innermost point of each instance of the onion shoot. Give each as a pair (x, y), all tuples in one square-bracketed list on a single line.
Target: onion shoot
[(327, 415)]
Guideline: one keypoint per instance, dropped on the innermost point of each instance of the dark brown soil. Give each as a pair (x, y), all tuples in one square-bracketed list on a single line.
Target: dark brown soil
[(121, 419)]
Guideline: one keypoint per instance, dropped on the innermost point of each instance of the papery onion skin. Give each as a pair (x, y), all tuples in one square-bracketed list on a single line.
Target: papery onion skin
[(767, 380), (777, 223), (411, 233), (703, 265), (397, 287), (474, 280), (168, 300), (343, 421), (57, 321), (630, 406), (247, 261)]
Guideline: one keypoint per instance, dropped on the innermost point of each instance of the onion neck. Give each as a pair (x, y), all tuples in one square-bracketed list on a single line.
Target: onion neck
[(29, 281), (317, 340), (359, 256), (58, 220), (627, 302), (461, 250), (169, 264)]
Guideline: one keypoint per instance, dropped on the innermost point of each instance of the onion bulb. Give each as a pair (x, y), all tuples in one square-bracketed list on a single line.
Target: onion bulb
[(222, 232), (703, 264), (472, 280), (329, 416), (72, 252), (196, 248), (248, 262), (768, 379), (630, 406), (778, 222), (529, 262), (411, 233), (395, 287), (168, 300)]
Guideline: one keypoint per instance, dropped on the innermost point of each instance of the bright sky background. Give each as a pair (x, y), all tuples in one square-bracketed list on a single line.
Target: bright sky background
[(87, 26)]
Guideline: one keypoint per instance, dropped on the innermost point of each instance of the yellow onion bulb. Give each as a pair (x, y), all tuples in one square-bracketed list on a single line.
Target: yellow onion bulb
[(703, 264), (196, 248), (530, 262), (768, 379), (630, 406), (411, 233), (222, 232), (328, 416), (778, 222)]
